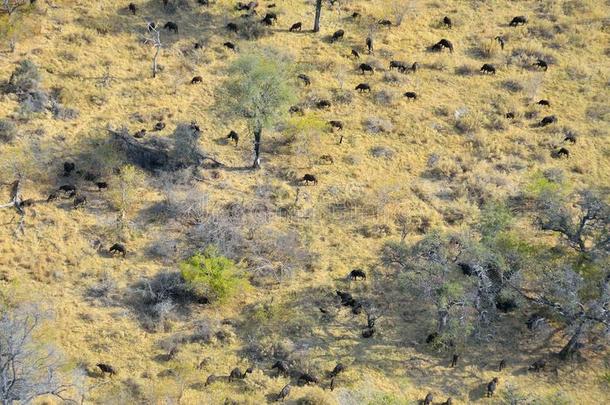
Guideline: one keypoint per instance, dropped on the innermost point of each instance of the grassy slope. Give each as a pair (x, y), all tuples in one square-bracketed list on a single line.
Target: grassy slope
[(55, 257)]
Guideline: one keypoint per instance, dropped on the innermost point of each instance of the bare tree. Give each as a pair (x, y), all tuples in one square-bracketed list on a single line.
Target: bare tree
[(27, 371), (16, 203), (10, 6), (583, 224), (155, 40)]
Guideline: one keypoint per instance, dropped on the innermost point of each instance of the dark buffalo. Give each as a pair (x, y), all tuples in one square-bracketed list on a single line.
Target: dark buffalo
[(362, 87), (519, 20), (171, 26), (488, 69)]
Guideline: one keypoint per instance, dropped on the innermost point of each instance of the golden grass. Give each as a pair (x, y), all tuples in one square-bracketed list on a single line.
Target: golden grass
[(54, 262)]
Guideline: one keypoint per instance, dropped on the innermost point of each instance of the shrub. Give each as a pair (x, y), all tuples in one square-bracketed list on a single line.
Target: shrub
[(213, 275), (382, 152), (251, 30), (467, 122), (35, 101), (384, 97), (377, 125), (8, 131), (25, 78)]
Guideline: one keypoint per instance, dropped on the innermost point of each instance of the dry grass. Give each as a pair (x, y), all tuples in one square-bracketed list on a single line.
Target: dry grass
[(92, 51)]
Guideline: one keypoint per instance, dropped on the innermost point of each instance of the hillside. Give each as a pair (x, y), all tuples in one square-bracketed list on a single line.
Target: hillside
[(401, 171)]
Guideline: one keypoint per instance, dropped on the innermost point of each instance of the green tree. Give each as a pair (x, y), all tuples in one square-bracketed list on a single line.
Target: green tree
[(259, 89), (213, 275)]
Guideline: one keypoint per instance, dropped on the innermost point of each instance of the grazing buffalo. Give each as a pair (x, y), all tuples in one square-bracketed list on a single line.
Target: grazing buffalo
[(296, 27), (538, 365), (140, 134), (305, 78), (491, 387), (68, 168), (428, 399), (454, 360), (211, 379), (132, 7), (281, 366), (309, 178), (488, 69), (563, 152), (366, 68), (232, 27), (236, 374), (68, 188), (411, 95), (369, 44), (338, 125), (396, 64), (362, 87), (323, 104), (570, 137), (234, 136), (385, 23), (541, 65), (306, 378), (171, 26), (355, 54), (502, 365), (548, 120), (118, 248), (230, 45), (101, 185), (519, 20), (197, 79), (337, 35), (159, 126), (339, 368), (510, 115), (447, 22), (544, 103), (106, 368), (269, 19), (295, 109), (357, 273)]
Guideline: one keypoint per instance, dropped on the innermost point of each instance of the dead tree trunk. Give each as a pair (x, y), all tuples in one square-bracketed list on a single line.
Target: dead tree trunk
[(15, 203), (257, 148), (316, 24), (155, 40), (572, 346)]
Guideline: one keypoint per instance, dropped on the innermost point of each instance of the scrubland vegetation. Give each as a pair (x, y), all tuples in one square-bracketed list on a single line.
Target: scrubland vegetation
[(392, 202)]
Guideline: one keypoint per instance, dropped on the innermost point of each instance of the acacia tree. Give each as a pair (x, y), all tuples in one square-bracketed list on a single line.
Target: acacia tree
[(428, 268), (259, 90), (574, 282)]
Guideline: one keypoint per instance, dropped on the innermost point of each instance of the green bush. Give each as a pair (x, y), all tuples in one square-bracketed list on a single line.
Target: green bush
[(213, 275)]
